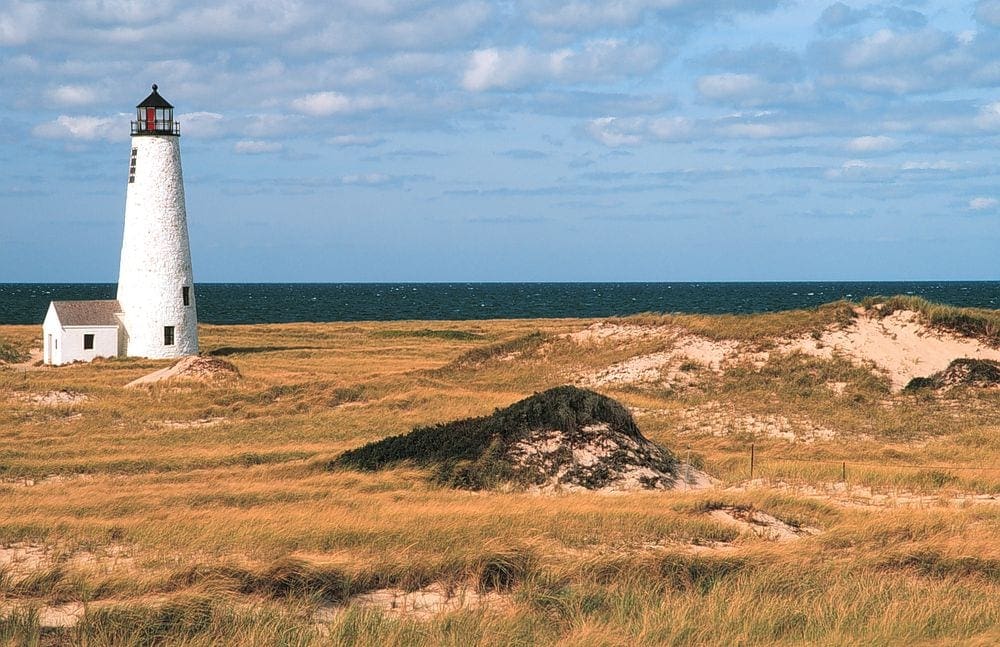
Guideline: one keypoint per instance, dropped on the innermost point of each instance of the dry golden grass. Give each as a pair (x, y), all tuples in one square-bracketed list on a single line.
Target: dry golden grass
[(202, 513)]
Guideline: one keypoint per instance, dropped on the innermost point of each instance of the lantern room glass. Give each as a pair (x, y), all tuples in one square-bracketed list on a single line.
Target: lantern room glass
[(157, 120), (154, 121)]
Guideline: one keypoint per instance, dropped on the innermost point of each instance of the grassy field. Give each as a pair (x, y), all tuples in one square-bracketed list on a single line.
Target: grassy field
[(205, 513)]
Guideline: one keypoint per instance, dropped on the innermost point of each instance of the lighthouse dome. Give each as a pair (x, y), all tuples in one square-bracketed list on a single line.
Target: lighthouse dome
[(154, 100)]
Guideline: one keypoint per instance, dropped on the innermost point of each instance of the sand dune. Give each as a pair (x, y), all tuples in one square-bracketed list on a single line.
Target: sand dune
[(899, 346)]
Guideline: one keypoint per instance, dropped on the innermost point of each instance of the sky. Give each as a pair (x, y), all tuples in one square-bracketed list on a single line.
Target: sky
[(626, 140)]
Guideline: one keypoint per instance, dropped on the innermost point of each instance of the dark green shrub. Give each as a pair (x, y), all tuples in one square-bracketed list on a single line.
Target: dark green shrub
[(11, 354), (471, 453), (501, 572)]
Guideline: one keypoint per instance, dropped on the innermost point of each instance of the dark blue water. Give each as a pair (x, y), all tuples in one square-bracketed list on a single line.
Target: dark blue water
[(24, 303)]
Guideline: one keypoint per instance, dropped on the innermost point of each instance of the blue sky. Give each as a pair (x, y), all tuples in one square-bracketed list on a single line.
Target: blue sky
[(642, 140)]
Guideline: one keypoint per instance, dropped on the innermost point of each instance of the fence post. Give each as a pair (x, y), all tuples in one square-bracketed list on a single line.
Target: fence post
[(843, 472), (751, 461)]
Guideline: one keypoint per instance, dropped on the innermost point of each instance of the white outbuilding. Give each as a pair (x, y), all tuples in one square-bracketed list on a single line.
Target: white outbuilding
[(79, 331)]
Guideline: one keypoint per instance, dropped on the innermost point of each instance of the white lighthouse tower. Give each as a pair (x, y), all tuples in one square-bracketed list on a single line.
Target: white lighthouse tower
[(155, 281)]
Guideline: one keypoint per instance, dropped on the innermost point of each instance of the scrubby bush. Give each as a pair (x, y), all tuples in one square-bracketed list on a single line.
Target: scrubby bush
[(471, 453), (10, 353), (960, 372)]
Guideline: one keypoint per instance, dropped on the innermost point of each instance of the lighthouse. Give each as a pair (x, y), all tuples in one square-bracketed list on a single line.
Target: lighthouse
[(155, 279), (154, 315)]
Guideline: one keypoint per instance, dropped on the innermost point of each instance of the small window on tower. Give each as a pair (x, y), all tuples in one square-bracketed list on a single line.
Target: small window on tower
[(88, 342), (186, 295), (168, 335)]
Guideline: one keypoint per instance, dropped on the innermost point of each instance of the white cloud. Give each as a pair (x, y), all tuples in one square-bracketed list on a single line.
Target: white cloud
[(324, 104), (20, 22), (886, 46), (202, 124), (937, 165), (601, 14), (597, 60), (256, 146), (672, 128), (983, 204), (751, 90), (72, 95), (85, 128), (989, 116), (127, 11), (727, 86), (988, 12), (269, 125), (367, 179), (859, 170), (864, 171), (21, 63), (872, 144), (355, 140), (615, 131), (399, 26), (768, 129)]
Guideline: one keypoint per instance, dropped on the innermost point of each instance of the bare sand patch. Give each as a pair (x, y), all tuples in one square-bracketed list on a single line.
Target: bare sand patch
[(603, 331), (22, 559), (760, 524), (422, 604), (690, 478), (721, 421), (53, 398), (671, 366), (192, 424), (26, 481), (69, 614)]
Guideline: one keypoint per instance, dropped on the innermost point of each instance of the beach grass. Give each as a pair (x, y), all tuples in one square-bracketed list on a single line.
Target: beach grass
[(204, 513)]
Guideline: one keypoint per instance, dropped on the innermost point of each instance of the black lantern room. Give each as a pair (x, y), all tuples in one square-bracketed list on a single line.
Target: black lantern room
[(155, 116)]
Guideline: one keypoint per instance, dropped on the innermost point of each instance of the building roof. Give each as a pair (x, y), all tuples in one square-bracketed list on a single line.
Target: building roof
[(87, 313), (154, 100)]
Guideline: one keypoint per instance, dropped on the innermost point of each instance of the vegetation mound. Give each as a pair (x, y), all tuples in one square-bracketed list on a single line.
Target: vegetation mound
[(979, 373), (194, 367), (565, 438)]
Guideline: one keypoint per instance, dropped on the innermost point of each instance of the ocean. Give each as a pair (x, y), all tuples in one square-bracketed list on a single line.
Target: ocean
[(251, 303)]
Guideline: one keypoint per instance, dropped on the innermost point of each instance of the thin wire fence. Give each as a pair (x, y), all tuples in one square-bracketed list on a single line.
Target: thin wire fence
[(757, 460)]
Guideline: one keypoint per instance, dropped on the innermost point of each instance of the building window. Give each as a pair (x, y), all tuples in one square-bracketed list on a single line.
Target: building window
[(168, 335), (186, 295), (88, 342)]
